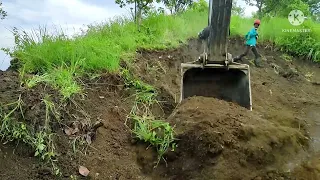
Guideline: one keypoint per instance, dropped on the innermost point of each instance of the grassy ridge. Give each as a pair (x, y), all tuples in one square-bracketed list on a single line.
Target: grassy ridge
[(62, 59), (103, 45)]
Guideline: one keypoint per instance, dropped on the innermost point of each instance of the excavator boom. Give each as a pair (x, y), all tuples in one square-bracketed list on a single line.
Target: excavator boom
[(215, 74)]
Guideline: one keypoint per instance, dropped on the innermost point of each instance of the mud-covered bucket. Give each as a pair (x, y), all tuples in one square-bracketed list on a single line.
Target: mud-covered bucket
[(213, 80)]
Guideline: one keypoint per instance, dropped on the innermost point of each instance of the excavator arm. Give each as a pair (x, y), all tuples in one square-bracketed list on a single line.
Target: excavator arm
[(219, 23), (215, 74)]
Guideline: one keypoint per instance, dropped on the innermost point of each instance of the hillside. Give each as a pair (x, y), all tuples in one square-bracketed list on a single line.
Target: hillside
[(83, 101)]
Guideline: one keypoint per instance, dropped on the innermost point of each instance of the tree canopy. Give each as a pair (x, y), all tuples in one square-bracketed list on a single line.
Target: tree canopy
[(3, 13), (283, 7), (176, 6)]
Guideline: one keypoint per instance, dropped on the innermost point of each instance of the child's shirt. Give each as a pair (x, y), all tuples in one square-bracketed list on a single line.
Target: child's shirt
[(251, 37)]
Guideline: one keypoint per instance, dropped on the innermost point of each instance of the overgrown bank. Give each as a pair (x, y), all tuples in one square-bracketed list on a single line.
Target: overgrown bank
[(68, 65), (112, 99), (60, 60)]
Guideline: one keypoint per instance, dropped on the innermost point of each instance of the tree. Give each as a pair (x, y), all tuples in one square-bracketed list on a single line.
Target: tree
[(237, 10), (314, 6), (259, 4), (282, 8), (200, 6), (3, 13), (177, 6), (141, 6)]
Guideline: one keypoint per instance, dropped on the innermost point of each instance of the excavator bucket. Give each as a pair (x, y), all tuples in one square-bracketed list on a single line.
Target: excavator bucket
[(215, 74), (231, 84)]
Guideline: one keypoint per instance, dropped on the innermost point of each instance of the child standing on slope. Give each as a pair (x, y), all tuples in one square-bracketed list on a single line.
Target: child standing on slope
[(251, 41)]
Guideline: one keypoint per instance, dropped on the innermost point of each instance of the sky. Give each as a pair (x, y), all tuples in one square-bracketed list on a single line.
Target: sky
[(70, 15)]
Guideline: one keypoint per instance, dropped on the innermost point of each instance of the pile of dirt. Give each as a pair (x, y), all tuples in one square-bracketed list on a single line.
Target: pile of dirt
[(220, 140), (266, 143)]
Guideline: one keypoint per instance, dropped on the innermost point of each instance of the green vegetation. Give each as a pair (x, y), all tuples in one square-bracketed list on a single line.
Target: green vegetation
[(3, 13), (60, 61), (157, 133), (64, 59), (16, 130), (284, 35)]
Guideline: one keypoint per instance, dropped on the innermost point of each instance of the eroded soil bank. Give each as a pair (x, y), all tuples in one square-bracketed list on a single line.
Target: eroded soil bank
[(218, 140)]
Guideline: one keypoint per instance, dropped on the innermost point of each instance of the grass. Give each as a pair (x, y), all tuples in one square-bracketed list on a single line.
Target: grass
[(58, 60), (284, 35), (13, 129), (146, 128), (103, 45), (157, 133)]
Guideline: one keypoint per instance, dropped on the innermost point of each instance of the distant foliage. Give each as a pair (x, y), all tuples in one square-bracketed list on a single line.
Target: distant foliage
[(3, 13), (177, 6), (237, 10), (257, 3), (141, 7), (201, 6), (281, 8)]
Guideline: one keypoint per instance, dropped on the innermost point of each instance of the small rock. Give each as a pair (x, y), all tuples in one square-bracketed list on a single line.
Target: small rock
[(242, 162), (97, 174), (258, 178), (133, 141), (270, 175), (44, 171), (83, 171)]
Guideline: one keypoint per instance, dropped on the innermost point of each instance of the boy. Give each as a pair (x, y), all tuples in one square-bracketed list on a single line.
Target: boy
[(251, 41)]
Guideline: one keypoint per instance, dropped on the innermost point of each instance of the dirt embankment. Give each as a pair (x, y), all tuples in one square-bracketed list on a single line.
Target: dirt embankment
[(218, 140)]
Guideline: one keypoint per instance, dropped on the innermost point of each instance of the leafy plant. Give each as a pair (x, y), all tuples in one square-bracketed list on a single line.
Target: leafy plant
[(14, 130), (158, 133)]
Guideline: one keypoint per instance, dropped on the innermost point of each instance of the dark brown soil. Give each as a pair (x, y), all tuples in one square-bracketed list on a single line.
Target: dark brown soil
[(218, 140)]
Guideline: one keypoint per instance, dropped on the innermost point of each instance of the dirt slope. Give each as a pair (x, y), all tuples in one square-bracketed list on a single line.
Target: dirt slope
[(218, 139)]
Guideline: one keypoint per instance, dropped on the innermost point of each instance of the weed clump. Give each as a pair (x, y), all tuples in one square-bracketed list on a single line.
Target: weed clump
[(156, 132), (41, 141), (146, 128)]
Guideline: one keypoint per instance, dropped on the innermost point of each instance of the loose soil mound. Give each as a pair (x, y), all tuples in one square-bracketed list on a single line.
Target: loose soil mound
[(218, 140)]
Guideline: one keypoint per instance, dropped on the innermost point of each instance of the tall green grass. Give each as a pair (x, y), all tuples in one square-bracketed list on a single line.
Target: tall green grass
[(277, 30), (103, 45)]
